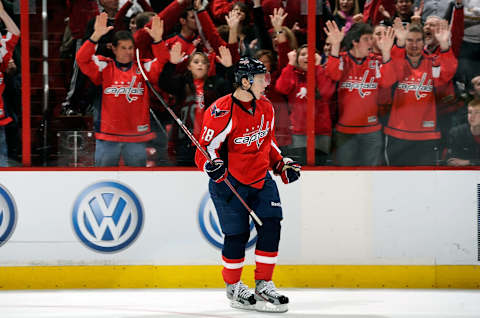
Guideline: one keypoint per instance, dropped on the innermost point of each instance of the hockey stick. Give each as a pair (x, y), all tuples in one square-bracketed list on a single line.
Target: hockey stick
[(192, 138)]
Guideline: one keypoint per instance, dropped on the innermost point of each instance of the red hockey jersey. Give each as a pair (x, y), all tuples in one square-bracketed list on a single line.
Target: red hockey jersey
[(7, 44), (358, 84), (246, 136), (414, 113), (124, 110)]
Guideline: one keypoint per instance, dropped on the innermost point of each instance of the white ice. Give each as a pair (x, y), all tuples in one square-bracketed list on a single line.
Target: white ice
[(321, 303)]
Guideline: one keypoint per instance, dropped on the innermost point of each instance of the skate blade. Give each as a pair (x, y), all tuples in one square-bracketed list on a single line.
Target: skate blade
[(265, 306), (239, 305)]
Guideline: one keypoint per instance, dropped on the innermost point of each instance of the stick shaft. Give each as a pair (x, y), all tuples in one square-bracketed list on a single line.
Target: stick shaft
[(194, 140)]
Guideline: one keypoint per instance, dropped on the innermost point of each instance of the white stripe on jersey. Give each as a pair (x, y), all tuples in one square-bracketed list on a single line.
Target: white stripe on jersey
[(232, 265), (3, 47), (148, 65), (100, 64), (436, 71), (265, 259), (218, 140), (274, 145)]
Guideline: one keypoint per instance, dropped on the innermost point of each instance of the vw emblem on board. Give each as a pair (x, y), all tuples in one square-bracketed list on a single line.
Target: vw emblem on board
[(210, 225), (8, 215), (107, 216)]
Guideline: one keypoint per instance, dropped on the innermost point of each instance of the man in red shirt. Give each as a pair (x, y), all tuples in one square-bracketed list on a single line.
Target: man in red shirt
[(412, 130), (360, 74), (123, 126), (238, 132)]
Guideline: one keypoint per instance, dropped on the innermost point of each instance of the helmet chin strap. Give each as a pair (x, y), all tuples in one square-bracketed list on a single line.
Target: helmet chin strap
[(249, 90)]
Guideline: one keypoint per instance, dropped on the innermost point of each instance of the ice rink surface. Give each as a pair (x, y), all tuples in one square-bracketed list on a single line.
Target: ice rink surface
[(322, 303)]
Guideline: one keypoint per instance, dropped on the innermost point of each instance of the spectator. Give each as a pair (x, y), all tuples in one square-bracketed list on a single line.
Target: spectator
[(463, 146), (7, 45), (175, 12), (377, 10), (294, 20), (438, 8), (280, 103), (122, 22), (346, 13), (402, 9), (245, 33), (412, 130), (220, 8), (140, 20), (293, 83), (358, 137), (124, 122), (469, 61), (194, 91), (79, 14)]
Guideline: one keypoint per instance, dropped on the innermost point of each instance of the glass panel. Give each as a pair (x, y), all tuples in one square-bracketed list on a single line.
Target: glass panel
[(411, 110)]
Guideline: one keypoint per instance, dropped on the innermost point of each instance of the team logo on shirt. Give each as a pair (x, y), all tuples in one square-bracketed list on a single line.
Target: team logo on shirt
[(360, 84), (255, 135), (417, 87), (217, 113), (126, 88), (8, 215)]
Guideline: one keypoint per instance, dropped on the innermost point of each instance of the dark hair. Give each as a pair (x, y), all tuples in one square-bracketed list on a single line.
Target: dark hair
[(184, 14), (245, 9), (269, 55), (143, 18), (122, 36), (355, 33), (416, 28), (395, 1)]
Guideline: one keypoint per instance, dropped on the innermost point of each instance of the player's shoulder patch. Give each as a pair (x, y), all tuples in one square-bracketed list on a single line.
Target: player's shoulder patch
[(216, 112), (221, 107)]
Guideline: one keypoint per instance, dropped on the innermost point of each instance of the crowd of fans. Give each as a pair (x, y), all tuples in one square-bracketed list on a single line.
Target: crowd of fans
[(397, 81)]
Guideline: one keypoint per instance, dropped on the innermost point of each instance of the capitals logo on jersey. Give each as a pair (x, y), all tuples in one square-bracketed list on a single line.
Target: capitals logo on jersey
[(217, 113), (257, 135), (364, 88), (126, 88), (418, 87)]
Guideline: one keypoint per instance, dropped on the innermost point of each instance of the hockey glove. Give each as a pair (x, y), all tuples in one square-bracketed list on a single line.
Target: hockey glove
[(288, 169), (217, 171)]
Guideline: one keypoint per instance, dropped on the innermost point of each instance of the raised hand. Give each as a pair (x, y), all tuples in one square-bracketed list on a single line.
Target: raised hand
[(278, 18), (417, 14), (225, 57), (442, 34), (401, 31), (176, 54), (357, 18), (233, 20), (292, 57), (100, 27), (156, 31), (386, 42), (318, 59), (384, 12), (333, 32)]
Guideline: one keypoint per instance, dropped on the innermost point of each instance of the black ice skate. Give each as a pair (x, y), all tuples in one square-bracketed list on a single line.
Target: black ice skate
[(241, 297), (268, 298)]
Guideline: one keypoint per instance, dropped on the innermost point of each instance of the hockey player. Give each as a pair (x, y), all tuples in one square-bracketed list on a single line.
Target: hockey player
[(124, 120), (238, 134)]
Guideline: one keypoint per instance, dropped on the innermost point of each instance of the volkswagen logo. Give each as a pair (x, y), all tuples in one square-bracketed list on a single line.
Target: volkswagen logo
[(107, 216), (8, 215), (210, 225)]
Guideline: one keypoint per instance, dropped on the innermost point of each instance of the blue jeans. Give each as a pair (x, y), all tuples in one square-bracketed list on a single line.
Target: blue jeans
[(359, 149), (108, 153), (3, 148)]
